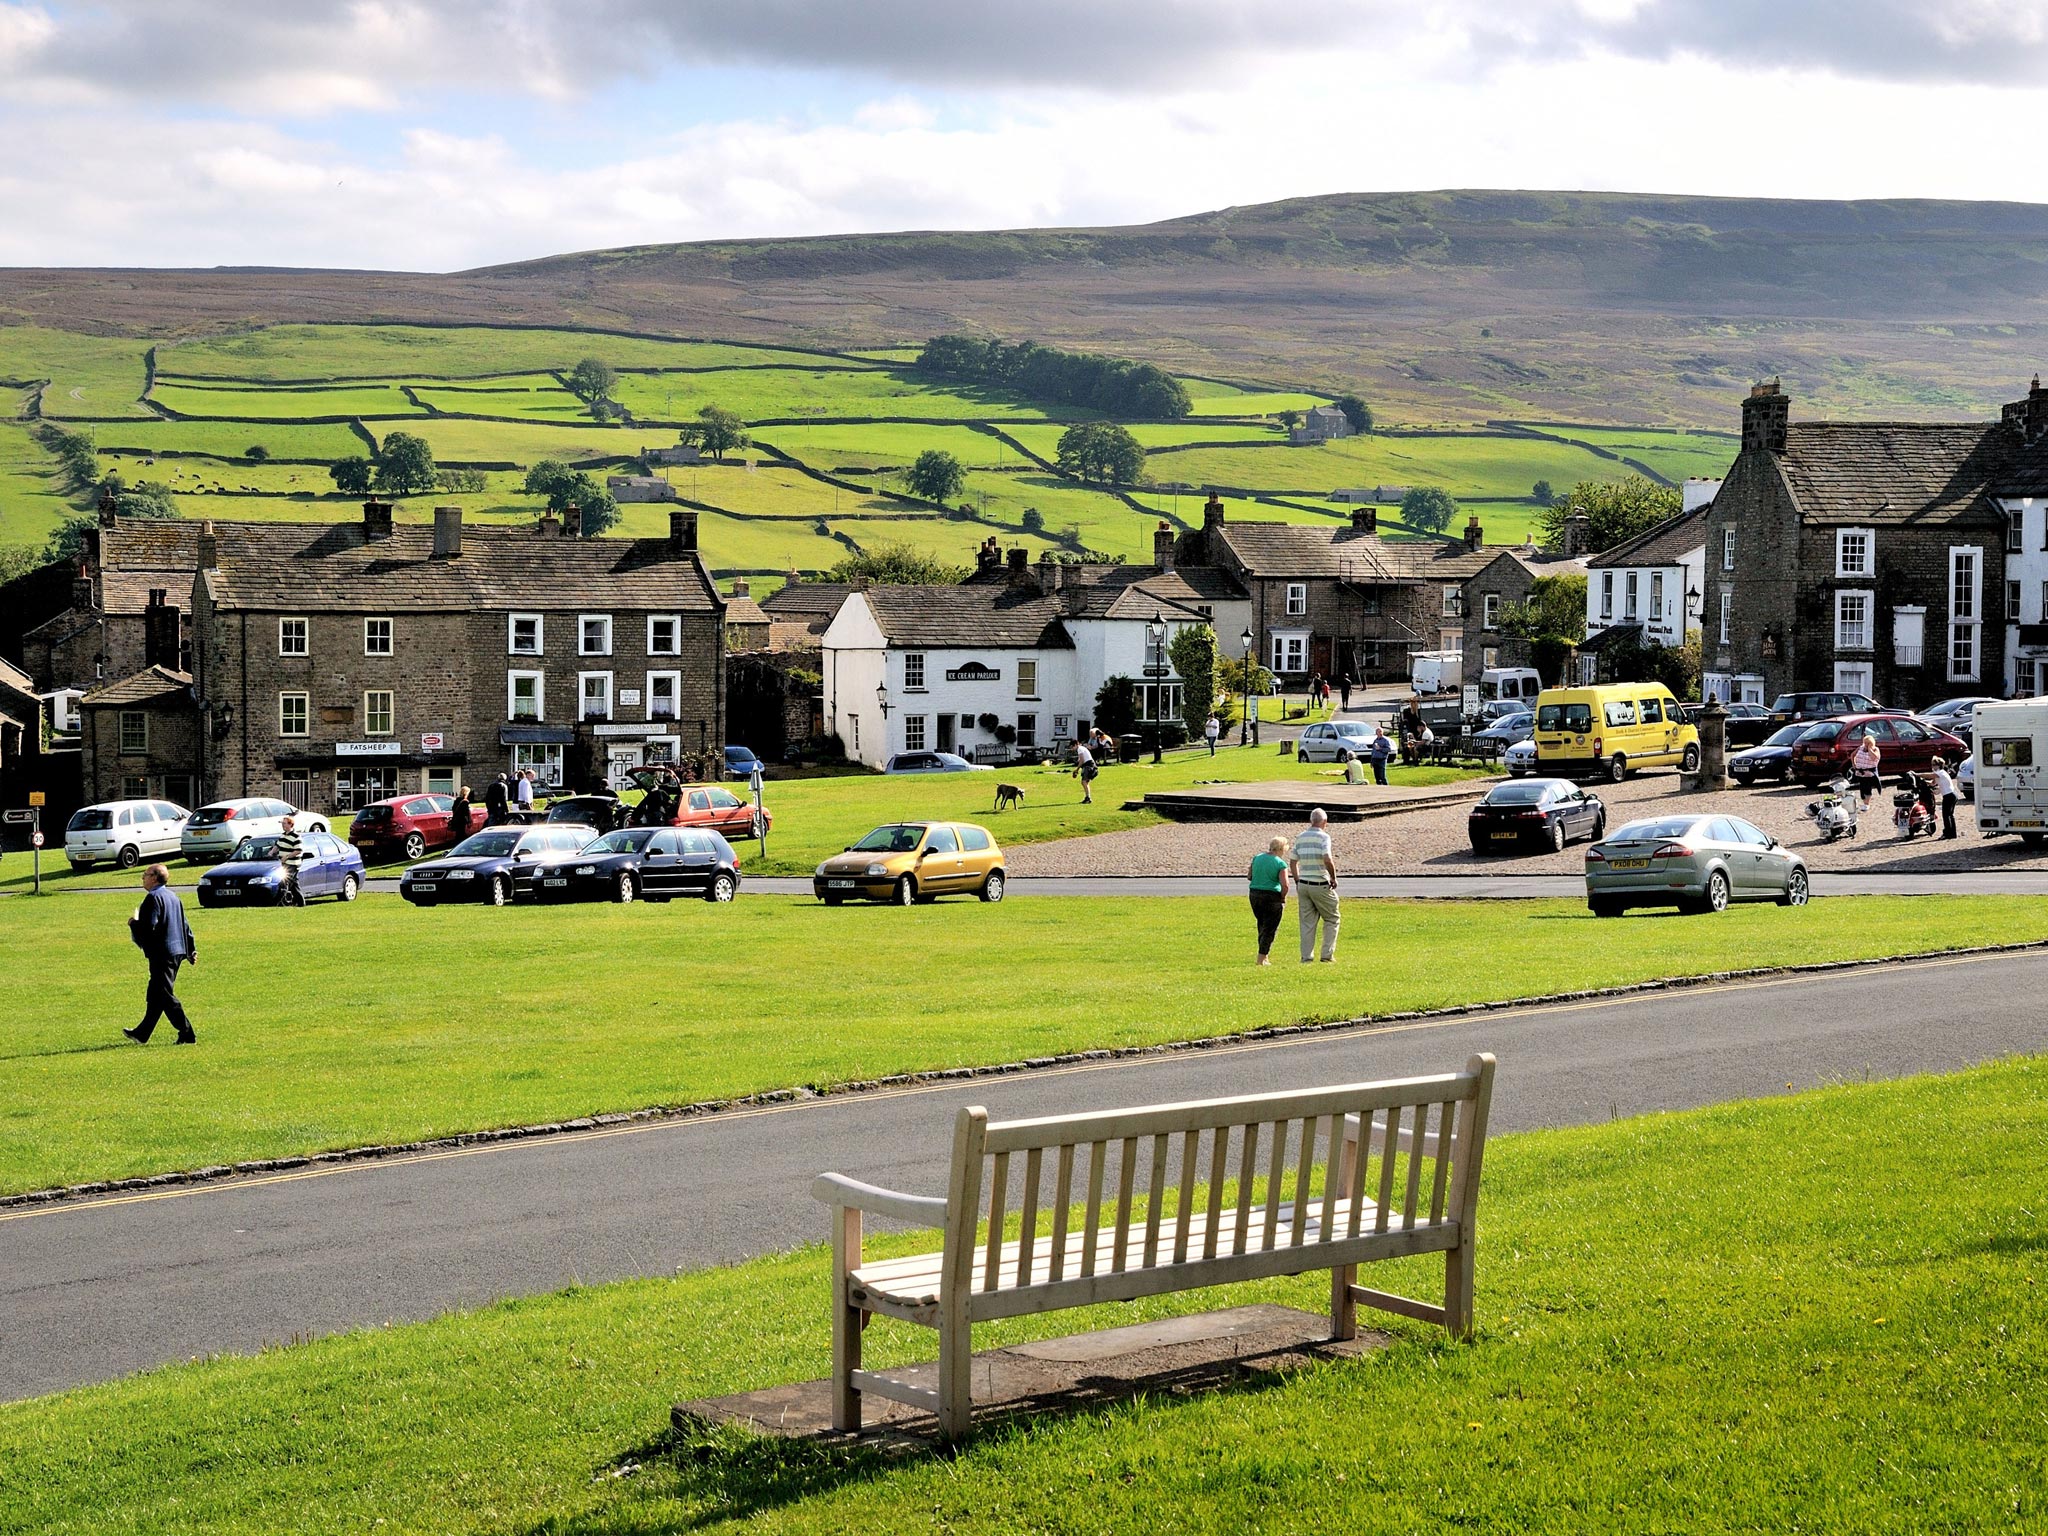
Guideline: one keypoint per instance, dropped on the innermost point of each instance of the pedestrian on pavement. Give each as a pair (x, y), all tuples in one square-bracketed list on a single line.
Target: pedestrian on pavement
[(1344, 689), (459, 814), (495, 797), (291, 853), (1354, 770), (1863, 763), (1313, 863), (1211, 729), (1084, 770), (523, 791), (1269, 894), (159, 931), (1380, 750), (1945, 787)]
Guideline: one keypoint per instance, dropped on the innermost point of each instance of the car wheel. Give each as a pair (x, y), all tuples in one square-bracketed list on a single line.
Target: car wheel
[(623, 890), (1690, 762), (128, 858), (1600, 827), (1301, 757), (992, 887), (351, 887), (722, 889), (415, 846), (1716, 897), (832, 901), (1604, 906), (1617, 768), (1556, 838), (501, 891), (80, 866), (1795, 890), (905, 892)]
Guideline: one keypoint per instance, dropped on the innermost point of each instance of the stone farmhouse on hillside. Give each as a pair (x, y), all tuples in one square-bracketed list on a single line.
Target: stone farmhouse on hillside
[(1891, 559), (1320, 424)]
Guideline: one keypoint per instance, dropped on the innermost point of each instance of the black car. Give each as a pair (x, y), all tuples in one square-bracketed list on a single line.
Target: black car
[(1547, 812), (602, 811), (495, 865), (1770, 759), (1789, 707), (658, 863), (1748, 724)]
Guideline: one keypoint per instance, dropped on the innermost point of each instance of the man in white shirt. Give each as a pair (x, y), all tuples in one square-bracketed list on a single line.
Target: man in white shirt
[(524, 789), (1211, 729), (1313, 864), (1084, 769), (1945, 788)]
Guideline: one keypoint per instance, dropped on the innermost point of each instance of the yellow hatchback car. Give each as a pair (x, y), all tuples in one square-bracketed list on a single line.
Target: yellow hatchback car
[(911, 861)]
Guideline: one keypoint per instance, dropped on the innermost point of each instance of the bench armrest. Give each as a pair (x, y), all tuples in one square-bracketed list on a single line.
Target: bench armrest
[(837, 1190)]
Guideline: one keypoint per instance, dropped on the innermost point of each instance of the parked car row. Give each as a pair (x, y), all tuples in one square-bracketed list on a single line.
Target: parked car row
[(254, 875), (1694, 863), (564, 861), (125, 832)]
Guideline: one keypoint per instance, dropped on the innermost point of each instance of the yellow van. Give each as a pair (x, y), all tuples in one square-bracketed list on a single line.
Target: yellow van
[(1612, 729)]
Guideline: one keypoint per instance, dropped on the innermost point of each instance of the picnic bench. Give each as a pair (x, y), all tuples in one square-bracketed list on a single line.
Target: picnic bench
[(1170, 1197)]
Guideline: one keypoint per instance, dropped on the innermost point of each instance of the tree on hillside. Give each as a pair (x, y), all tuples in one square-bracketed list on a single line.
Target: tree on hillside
[(256, 453), (1033, 520), (936, 476), (75, 450), (1101, 451), (1290, 418), (1542, 493), (564, 488), (716, 432), (1115, 386), (1614, 510), (1556, 606), (1195, 658), (897, 564), (405, 465), (592, 380), (352, 475), (1428, 508), (545, 478), (1356, 411), (1116, 705)]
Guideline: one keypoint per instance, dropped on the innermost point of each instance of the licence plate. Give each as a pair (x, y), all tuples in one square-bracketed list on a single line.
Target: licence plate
[(1628, 863), (2032, 821), (839, 885), (228, 890), (554, 882), (1505, 837)]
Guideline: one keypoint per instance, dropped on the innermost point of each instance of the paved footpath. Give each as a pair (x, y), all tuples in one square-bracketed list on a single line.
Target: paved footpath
[(95, 1289)]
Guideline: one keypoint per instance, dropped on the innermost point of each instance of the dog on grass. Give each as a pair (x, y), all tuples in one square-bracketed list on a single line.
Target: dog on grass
[(1008, 795)]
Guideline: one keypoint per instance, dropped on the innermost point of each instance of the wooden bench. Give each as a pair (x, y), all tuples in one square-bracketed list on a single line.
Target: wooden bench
[(1141, 1201)]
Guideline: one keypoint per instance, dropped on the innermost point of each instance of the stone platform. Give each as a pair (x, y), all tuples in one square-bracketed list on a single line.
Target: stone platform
[(1293, 799), (1066, 1375)]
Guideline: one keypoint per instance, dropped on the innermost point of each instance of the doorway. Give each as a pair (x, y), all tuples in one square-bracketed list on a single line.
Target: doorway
[(945, 732)]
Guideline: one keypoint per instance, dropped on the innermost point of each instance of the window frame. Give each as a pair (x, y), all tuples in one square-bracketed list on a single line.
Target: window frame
[(1727, 612), (1027, 677), (914, 734), (1296, 599), (1454, 601), (583, 681), (1489, 610), (1027, 728), (389, 634), (305, 635), (2015, 530), (675, 679), (544, 758), (390, 698), (1965, 613), (540, 634), (2014, 596), (359, 784), (913, 672), (1607, 594), (583, 623), (1866, 563), (1864, 636), (513, 677), (1727, 549), (675, 623), (139, 720), (1631, 596), (305, 712)]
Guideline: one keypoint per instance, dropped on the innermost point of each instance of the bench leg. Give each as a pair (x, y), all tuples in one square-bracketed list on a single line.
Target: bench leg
[(1458, 1277), (956, 1370), (1343, 1305), (846, 1320)]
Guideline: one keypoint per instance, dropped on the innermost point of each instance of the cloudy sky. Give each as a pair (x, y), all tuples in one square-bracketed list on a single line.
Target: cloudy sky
[(442, 134)]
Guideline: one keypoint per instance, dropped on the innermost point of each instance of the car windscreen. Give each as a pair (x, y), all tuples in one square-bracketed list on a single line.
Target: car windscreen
[(1827, 730), (891, 839), (92, 819), (1516, 794), (487, 845), (372, 813), (1785, 735), (631, 841), (212, 815), (1786, 704), (1564, 717), (1644, 831)]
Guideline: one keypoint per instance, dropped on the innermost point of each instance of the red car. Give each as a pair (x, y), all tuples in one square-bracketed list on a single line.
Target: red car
[(405, 826), (1903, 745), (712, 806)]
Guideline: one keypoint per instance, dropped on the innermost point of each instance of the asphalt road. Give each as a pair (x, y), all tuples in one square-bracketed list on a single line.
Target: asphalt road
[(95, 1289)]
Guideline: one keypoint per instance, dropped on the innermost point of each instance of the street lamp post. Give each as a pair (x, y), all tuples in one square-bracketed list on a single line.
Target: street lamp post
[(1244, 725), (1156, 633)]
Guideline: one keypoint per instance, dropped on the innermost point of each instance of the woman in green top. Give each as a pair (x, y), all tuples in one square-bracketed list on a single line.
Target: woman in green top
[(1269, 893)]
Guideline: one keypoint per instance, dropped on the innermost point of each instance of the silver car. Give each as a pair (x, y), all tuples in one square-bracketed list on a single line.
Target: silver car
[(1520, 759), (1328, 741), (1694, 863)]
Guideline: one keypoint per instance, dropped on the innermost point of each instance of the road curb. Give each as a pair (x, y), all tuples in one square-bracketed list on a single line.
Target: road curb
[(704, 1108)]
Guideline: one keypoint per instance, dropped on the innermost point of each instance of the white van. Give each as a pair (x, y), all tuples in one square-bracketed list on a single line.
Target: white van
[(1515, 684), (123, 832), (2010, 760), (1435, 671)]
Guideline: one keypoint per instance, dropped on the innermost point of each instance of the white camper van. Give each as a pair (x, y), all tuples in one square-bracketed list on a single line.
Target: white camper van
[(2010, 760), (1435, 671), (1518, 685)]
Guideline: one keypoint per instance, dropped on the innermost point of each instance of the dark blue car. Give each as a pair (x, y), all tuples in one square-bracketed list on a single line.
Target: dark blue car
[(253, 876), (653, 863), (1772, 759), (496, 865), (740, 763)]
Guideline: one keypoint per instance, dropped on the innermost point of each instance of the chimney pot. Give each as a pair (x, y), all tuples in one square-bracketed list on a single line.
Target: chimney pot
[(1365, 519), (682, 531), (1212, 511), (549, 525), (741, 587), (2036, 410), (1475, 537), (1162, 546), (107, 510), (447, 532), (209, 546), (376, 520)]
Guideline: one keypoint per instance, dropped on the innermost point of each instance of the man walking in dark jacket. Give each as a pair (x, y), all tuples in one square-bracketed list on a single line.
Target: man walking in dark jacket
[(158, 928), (494, 801)]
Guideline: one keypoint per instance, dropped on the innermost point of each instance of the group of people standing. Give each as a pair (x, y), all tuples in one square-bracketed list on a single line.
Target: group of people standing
[(1937, 787), (1307, 865)]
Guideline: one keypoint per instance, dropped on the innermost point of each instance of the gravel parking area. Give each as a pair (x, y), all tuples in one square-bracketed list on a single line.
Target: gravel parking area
[(1432, 841)]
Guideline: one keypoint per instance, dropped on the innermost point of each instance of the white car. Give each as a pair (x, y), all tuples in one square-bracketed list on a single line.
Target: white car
[(123, 832), (214, 831), (1520, 759)]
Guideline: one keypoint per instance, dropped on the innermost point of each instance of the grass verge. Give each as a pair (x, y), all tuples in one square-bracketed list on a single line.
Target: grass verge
[(377, 1023), (1732, 1319)]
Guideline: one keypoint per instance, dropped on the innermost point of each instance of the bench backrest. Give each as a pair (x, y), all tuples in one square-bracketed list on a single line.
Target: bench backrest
[(1157, 1210)]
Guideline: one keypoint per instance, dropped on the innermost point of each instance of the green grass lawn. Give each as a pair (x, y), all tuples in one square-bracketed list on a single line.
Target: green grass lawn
[(32, 496), (392, 1023), (1211, 400), (1734, 1319), (89, 375), (259, 404), (1673, 453), (1490, 465), (228, 439), (755, 393)]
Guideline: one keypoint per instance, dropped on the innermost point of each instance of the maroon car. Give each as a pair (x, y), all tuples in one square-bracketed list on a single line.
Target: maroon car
[(405, 826), (1903, 745)]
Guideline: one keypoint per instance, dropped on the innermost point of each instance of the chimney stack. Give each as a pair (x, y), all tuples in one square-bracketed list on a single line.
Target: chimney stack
[(1051, 577), (2037, 409), (548, 526), (572, 521), (682, 531), (741, 587), (447, 532), (988, 556), (162, 630), (1019, 567), (107, 512), (1212, 513), (1162, 546), (1573, 540), (376, 520), (1764, 415), (209, 546), (1365, 519), (1475, 537)]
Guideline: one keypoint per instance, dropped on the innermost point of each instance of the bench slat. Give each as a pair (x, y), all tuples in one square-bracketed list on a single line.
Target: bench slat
[(1126, 1176), (896, 1391), (1276, 1177), (1155, 1197), (1387, 1159), (1033, 1166), (1444, 1111), (1190, 1147), (1415, 1168), (1092, 1233), (998, 1197), (1247, 1185), (1219, 1159), (1063, 1202), (1304, 1169)]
